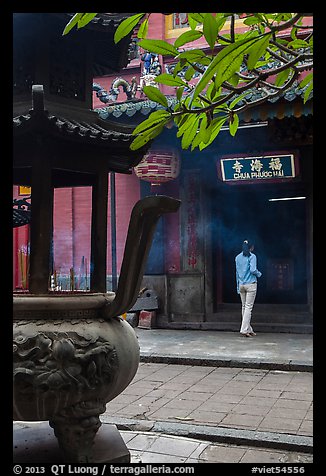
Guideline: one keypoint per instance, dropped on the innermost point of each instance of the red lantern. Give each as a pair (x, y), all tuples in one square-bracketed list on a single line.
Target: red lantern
[(158, 166)]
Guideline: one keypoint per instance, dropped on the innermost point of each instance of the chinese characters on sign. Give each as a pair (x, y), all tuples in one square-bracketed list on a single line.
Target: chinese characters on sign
[(272, 167)]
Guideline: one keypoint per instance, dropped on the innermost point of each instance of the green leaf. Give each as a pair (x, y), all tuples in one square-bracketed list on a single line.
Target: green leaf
[(306, 80), (187, 37), (192, 22), (153, 119), (225, 63), (199, 17), (179, 93), (298, 44), (145, 137), (189, 134), (160, 47), (252, 20), (204, 130), (233, 126), (143, 29), (214, 129), (282, 77), (179, 67), (282, 17), (169, 80), (189, 73), (237, 99), (220, 20), (188, 123), (85, 19), (307, 93), (210, 29), (154, 94), (192, 55), (234, 80), (74, 20), (126, 26), (294, 33), (257, 50), (197, 140)]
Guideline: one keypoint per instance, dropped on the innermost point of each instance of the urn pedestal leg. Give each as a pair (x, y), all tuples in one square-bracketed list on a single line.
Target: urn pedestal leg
[(75, 428)]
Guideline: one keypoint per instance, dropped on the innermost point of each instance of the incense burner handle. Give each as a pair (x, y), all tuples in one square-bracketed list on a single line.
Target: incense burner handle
[(143, 220)]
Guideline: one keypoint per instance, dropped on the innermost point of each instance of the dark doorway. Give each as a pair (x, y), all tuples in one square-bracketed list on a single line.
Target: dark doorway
[(278, 229)]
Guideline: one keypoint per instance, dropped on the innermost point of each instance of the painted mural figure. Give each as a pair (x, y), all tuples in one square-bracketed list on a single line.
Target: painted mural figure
[(246, 278), (147, 59)]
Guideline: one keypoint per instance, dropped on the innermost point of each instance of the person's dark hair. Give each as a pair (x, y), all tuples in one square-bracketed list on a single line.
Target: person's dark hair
[(246, 246)]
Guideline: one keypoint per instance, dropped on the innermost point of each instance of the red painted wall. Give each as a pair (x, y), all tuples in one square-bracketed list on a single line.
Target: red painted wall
[(72, 223), (20, 250)]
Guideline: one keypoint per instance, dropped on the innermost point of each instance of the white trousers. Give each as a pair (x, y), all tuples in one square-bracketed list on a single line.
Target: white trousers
[(247, 295)]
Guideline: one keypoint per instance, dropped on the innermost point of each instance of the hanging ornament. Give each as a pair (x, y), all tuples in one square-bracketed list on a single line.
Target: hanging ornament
[(159, 166)]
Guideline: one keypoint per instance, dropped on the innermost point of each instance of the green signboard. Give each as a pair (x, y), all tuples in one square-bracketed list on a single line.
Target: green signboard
[(268, 167)]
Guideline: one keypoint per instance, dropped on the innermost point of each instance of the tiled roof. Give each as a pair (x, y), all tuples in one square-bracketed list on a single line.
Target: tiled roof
[(75, 130), (95, 143), (145, 106), (39, 118)]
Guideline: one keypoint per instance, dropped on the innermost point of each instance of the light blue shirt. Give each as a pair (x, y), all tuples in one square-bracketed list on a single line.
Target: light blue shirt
[(246, 269)]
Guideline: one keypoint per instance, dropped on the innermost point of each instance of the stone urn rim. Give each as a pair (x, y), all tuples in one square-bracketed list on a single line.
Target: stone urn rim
[(59, 301)]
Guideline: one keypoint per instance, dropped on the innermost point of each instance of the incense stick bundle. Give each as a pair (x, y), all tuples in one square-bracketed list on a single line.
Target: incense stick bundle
[(81, 278), (23, 263), (72, 279), (86, 283)]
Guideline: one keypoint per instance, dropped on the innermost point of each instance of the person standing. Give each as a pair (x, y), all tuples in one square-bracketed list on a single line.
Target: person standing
[(246, 277)]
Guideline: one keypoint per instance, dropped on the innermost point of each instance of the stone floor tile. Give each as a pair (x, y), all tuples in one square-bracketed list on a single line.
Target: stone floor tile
[(214, 405), (293, 457), (167, 413), (262, 456), (200, 369), (142, 441), (258, 410), (202, 416), (152, 401), (188, 395), (281, 425), (136, 390), (193, 461), (174, 385), (263, 393), (222, 397), (164, 393), (306, 428), (297, 396), (128, 435), (309, 415), (243, 421), (281, 412), (236, 389), (271, 386), (177, 403), (123, 398), (200, 448), (259, 401), (174, 446), (222, 454), (288, 403), (212, 388), (134, 411), (227, 371), (148, 457)]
